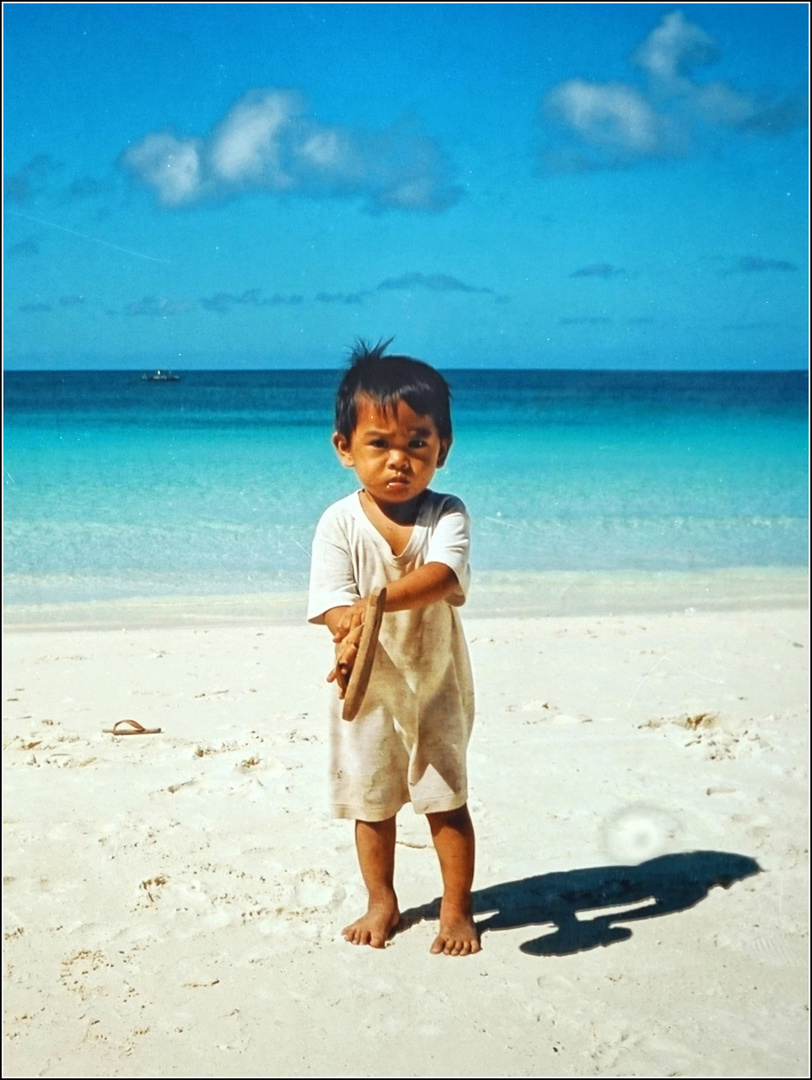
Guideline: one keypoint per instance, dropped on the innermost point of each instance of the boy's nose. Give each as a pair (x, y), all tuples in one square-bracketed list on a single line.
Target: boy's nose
[(398, 459)]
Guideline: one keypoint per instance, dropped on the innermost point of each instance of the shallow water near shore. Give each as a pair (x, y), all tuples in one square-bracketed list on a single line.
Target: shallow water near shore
[(494, 594), (118, 489)]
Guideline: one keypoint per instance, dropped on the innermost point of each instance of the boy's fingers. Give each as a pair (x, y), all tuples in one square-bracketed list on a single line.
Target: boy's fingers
[(347, 639), (346, 645), (351, 622), (343, 668), (354, 618), (344, 632), (345, 661), (340, 678)]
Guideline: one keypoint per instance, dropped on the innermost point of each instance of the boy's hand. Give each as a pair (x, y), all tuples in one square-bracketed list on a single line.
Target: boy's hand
[(347, 636), (350, 619), (347, 624), (346, 652)]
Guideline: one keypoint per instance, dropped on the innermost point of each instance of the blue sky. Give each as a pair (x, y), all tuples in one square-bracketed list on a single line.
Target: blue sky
[(528, 185)]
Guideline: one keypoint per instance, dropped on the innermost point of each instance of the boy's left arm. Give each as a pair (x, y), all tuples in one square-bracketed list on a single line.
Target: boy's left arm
[(426, 585)]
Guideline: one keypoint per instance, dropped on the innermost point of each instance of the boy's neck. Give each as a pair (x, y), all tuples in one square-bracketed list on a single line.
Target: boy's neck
[(397, 513)]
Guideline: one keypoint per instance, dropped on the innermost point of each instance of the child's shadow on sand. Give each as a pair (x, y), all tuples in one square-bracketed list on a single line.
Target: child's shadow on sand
[(658, 887)]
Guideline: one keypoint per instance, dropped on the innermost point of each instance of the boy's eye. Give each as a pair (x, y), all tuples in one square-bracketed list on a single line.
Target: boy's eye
[(417, 444), (379, 444)]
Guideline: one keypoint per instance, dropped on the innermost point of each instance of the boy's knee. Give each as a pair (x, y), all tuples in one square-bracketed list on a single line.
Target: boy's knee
[(456, 819)]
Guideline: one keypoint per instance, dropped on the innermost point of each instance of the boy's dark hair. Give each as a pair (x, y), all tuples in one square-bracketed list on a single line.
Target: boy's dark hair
[(388, 380)]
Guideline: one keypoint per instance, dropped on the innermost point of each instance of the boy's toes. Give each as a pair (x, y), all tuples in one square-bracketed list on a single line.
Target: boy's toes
[(360, 936), (459, 939), (446, 946), (374, 928), (454, 947), (366, 937)]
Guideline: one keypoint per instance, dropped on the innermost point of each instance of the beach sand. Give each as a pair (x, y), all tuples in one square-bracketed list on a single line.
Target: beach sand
[(639, 778)]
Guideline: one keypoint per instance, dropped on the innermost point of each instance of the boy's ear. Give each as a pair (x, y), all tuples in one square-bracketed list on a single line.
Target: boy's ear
[(342, 448), (445, 446)]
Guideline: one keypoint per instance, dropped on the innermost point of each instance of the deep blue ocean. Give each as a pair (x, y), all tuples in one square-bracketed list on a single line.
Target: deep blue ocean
[(118, 487)]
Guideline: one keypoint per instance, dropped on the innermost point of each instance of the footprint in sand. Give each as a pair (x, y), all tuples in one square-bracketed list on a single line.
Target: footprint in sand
[(207, 749), (237, 772), (316, 889), (542, 712), (612, 1041), (777, 950), (720, 739), (84, 972)]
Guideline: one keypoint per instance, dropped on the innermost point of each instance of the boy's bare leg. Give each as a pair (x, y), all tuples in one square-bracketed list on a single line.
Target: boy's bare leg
[(375, 843), (453, 836)]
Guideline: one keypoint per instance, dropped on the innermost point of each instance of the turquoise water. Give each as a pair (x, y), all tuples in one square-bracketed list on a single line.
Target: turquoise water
[(116, 487)]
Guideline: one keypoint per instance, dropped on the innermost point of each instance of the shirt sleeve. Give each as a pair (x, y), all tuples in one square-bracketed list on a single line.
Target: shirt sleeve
[(332, 578), (450, 543)]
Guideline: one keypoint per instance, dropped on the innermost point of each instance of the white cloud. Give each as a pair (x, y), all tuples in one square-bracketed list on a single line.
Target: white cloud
[(607, 114), (266, 143), (325, 149), (246, 147), (718, 104), (170, 165), (614, 124), (410, 195), (674, 48)]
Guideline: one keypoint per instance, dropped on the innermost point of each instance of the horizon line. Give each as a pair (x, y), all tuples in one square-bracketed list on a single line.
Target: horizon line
[(440, 367)]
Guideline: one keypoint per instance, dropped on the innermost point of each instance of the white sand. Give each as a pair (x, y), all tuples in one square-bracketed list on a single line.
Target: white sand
[(174, 902)]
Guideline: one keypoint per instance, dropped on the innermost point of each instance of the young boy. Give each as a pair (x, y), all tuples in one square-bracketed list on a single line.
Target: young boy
[(409, 739)]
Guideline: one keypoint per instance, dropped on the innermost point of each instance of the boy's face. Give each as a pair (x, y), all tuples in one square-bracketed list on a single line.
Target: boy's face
[(395, 453)]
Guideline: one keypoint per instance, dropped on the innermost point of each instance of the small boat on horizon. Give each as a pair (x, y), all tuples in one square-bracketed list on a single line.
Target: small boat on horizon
[(159, 375)]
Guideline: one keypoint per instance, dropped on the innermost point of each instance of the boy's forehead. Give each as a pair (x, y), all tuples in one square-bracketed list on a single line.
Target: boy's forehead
[(371, 413)]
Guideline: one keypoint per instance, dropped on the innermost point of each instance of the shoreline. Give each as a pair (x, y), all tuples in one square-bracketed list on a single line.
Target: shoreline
[(494, 594)]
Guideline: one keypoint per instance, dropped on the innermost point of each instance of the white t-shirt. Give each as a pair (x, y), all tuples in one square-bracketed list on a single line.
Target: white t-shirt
[(408, 742), (351, 558)]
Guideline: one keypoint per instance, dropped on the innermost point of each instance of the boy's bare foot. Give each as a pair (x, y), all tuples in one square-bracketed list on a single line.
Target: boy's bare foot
[(374, 928), (458, 934)]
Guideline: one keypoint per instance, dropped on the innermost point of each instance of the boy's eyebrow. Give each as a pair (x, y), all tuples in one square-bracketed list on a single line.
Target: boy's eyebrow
[(376, 433)]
